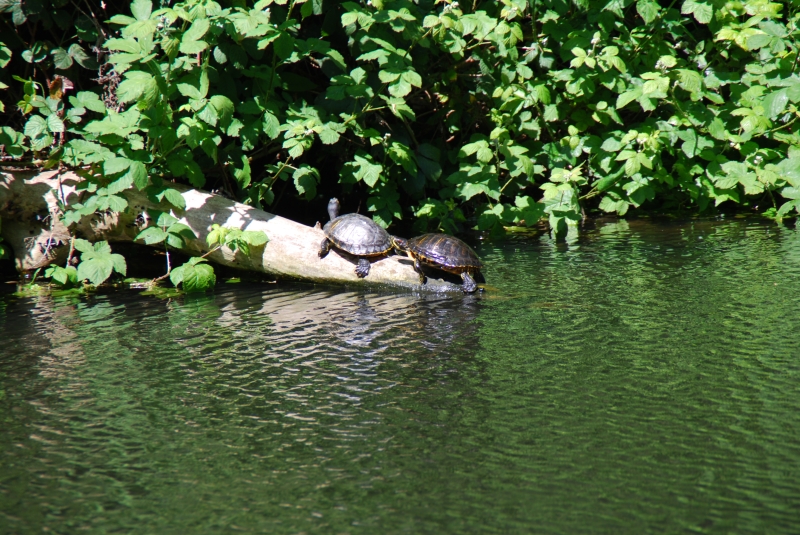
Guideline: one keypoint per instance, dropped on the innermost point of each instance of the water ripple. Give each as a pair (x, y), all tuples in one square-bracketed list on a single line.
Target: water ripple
[(639, 380)]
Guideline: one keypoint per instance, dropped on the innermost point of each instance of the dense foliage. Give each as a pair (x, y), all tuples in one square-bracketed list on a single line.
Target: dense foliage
[(483, 115)]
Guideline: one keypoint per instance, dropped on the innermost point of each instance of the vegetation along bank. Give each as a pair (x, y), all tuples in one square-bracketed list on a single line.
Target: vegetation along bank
[(426, 116)]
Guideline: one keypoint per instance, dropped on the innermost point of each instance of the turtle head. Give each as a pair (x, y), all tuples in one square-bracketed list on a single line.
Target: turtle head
[(399, 243), (333, 208)]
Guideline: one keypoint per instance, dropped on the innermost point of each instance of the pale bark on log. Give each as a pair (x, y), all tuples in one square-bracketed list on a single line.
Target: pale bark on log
[(29, 209)]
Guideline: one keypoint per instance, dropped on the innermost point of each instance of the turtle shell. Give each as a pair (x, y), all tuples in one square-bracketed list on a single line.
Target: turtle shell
[(445, 252), (358, 235)]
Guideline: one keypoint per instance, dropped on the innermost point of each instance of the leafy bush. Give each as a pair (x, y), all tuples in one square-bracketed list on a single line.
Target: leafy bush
[(485, 115)]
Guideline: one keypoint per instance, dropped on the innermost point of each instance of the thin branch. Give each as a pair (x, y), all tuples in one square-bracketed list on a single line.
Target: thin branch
[(782, 126), (71, 250)]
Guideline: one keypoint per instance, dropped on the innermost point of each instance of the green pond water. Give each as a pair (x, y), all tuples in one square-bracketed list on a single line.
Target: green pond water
[(644, 379)]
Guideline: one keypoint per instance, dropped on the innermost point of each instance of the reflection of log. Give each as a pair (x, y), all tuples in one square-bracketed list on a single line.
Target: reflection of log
[(29, 205)]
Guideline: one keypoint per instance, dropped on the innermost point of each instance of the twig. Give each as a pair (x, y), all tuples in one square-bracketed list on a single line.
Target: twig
[(782, 126), (71, 250)]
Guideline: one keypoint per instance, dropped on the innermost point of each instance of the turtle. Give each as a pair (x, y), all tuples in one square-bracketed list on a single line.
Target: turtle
[(354, 234), (443, 252)]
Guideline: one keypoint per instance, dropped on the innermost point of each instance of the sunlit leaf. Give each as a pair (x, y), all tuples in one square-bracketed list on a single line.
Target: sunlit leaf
[(152, 235), (96, 269)]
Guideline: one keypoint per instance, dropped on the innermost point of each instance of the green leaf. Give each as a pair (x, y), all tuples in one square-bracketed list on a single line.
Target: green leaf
[(387, 77), (256, 238), (787, 207), (363, 169), (402, 155), (612, 204), (196, 31), (36, 126), (188, 90), (83, 246), (115, 165), (215, 237), (611, 145), (5, 55), (471, 148), (91, 101), (67, 276), (606, 182), (632, 166), (179, 229), (61, 59), (199, 279), (776, 102), (138, 84), (648, 10), (757, 40), (690, 80), (124, 45), (337, 59), (165, 219), (138, 173), (121, 184), (271, 125), (305, 181), (627, 97), (224, 107), (702, 11), (42, 142), (194, 276), (122, 20), (349, 18), (191, 47), (175, 241), (54, 124), (175, 198), (689, 145), (79, 54), (484, 154), (328, 136), (668, 61), (469, 189), (208, 115), (101, 247), (412, 78), (284, 46), (141, 9), (120, 266), (96, 269), (176, 275), (117, 203), (400, 88), (717, 129), (529, 211), (152, 235)]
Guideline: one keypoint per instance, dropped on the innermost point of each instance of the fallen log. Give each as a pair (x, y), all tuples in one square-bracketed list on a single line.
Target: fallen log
[(31, 201)]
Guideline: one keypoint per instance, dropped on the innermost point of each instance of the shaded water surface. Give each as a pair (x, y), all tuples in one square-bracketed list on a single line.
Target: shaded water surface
[(645, 379)]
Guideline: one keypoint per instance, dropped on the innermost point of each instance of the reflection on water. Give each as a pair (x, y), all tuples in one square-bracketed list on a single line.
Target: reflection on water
[(641, 379)]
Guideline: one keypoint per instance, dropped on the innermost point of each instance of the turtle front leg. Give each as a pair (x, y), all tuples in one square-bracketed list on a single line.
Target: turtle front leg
[(362, 269), (469, 283), (418, 269), (324, 247)]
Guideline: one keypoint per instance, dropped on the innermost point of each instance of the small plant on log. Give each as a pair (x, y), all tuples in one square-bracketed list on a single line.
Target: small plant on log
[(96, 265)]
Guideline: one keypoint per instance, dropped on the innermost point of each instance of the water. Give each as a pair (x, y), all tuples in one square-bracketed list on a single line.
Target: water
[(644, 379)]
